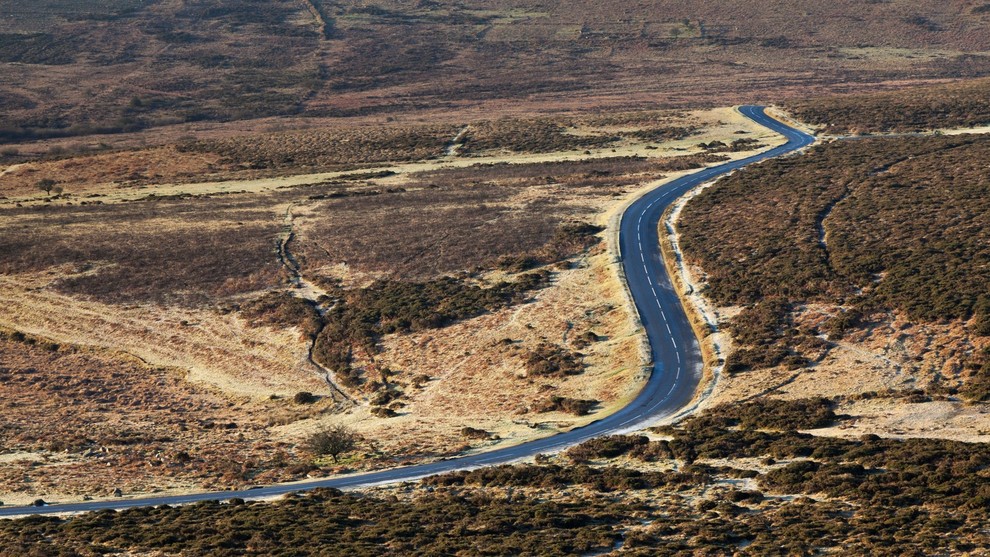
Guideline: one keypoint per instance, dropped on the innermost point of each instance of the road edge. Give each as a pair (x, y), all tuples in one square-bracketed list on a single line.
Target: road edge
[(704, 321)]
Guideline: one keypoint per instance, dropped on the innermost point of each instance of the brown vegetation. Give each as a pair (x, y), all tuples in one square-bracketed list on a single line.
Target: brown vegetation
[(873, 226), (184, 64), (235, 282), (154, 53), (515, 216), (85, 170), (123, 424), (957, 105), (181, 251), (772, 492), (533, 136), (328, 149)]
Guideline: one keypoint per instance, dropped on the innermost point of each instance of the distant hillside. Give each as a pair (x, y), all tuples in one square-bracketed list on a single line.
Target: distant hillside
[(952, 105), (74, 68)]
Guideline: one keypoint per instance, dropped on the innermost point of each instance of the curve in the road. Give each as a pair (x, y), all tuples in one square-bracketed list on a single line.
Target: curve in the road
[(677, 361)]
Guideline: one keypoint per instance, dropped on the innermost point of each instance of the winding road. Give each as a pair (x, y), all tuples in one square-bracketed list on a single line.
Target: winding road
[(677, 362)]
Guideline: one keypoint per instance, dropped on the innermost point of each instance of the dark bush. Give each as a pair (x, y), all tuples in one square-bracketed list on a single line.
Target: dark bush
[(334, 441), (304, 397), (606, 447), (577, 407), (474, 433), (977, 386), (552, 360), (770, 414)]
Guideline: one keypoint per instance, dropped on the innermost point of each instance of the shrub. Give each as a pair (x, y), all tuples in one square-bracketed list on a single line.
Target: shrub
[(304, 397), (474, 433), (770, 414), (383, 412), (552, 360), (577, 407), (977, 386), (333, 441), (606, 447)]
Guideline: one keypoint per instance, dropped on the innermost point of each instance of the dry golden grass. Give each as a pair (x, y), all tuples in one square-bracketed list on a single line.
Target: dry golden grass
[(476, 379), (84, 175), (221, 350), (390, 233), (85, 421)]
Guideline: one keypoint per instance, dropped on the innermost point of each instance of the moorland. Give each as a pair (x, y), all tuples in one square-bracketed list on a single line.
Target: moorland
[(855, 271), (736, 476), (226, 227), (396, 299), (75, 69)]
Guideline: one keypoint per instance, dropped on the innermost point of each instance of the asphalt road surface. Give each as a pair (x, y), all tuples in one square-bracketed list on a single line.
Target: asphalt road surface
[(673, 382)]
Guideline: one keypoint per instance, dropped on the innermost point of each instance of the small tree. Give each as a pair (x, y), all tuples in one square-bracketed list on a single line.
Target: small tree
[(46, 185), (334, 441)]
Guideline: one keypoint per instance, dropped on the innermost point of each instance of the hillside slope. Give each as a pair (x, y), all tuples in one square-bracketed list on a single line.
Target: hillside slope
[(75, 68)]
